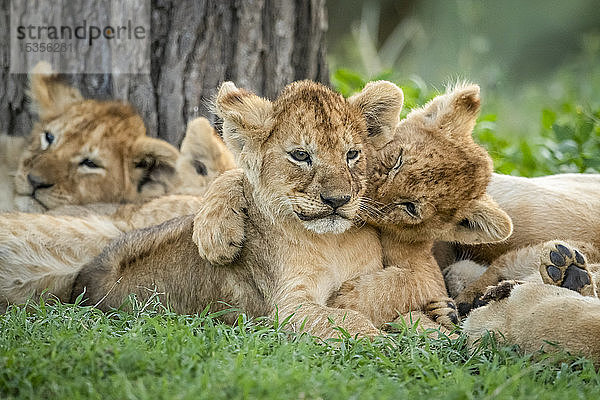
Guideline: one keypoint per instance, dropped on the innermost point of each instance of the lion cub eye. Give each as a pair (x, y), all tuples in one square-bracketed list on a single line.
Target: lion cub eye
[(410, 208), (46, 139), (300, 156), (86, 162), (200, 167), (352, 155)]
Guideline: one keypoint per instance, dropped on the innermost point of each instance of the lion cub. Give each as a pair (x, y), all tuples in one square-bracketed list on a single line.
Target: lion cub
[(427, 181), (83, 151), (65, 238), (304, 163)]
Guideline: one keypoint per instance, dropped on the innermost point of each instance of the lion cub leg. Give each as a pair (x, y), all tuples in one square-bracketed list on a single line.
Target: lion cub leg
[(461, 274), (538, 316), (305, 314), (385, 294), (219, 225), (563, 265), (442, 311)]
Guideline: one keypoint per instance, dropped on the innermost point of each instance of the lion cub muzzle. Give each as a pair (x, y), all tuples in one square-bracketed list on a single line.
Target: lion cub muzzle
[(332, 215), (335, 201), (37, 182)]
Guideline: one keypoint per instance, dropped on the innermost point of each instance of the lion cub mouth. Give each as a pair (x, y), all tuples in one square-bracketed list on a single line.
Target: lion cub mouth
[(330, 222), (306, 217)]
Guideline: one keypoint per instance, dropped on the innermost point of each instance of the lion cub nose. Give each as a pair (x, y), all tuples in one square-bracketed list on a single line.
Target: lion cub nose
[(335, 201), (37, 183)]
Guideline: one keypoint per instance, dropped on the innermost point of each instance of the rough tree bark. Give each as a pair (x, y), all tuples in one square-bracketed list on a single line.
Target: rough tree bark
[(259, 44)]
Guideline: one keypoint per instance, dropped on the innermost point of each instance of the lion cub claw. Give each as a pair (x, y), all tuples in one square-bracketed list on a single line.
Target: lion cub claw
[(563, 265), (498, 292), (443, 311)]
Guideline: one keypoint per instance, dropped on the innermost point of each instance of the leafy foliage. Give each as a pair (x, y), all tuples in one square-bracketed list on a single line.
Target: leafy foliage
[(568, 139)]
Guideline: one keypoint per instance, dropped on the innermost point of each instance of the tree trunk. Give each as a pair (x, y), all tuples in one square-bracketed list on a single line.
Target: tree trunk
[(195, 45)]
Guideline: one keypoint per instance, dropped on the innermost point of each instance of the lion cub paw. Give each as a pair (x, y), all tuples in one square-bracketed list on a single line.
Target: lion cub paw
[(468, 300), (501, 291), (220, 239), (443, 312), (563, 265)]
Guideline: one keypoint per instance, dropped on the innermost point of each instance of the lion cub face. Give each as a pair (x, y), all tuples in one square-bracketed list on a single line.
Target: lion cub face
[(431, 177), (86, 151), (304, 153)]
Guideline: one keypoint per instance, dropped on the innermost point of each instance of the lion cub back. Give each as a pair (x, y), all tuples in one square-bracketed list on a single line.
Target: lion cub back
[(163, 260)]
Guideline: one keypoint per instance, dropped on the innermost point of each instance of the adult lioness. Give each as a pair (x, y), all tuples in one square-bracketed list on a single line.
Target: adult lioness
[(428, 182), (546, 208), (563, 312)]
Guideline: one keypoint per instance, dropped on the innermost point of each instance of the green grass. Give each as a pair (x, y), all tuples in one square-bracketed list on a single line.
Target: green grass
[(66, 351)]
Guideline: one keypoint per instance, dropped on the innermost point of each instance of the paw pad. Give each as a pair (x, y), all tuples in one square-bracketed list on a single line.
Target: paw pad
[(562, 265)]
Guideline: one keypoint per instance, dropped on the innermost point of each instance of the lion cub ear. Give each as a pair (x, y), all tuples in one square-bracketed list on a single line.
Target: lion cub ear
[(454, 113), (49, 95), (154, 166), (204, 149), (381, 103), (485, 222), (247, 118)]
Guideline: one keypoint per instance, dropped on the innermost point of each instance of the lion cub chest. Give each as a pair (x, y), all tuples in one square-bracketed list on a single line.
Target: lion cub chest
[(316, 265)]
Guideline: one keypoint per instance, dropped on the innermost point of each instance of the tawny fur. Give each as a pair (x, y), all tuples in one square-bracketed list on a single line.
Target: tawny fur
[(430, 160), (520, 264), (444, 174), (87, 151), (538, 316), (204, 156), (20, 233), (554, 306), (273, 268), (129, 166), (31, 249), (558, 207), (298, 284), (11, 148), (544, 208), (276, 267)]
